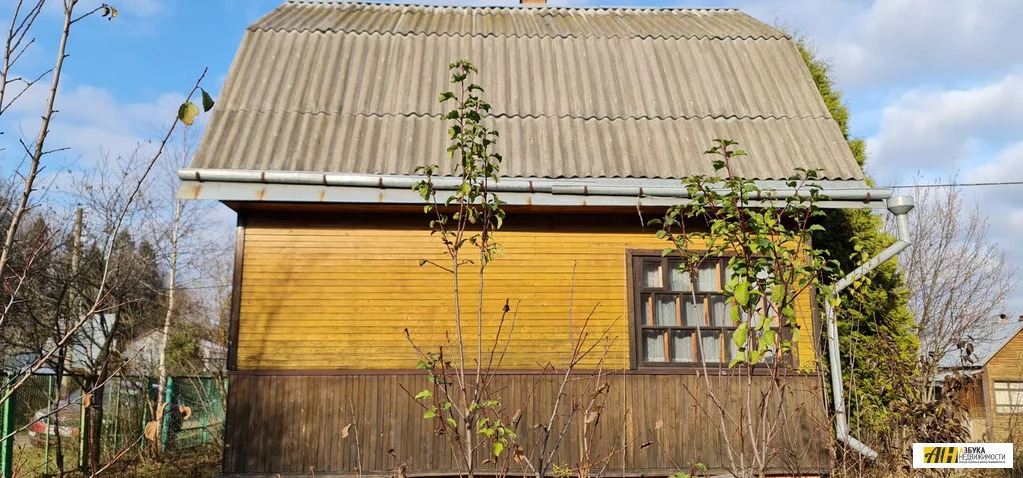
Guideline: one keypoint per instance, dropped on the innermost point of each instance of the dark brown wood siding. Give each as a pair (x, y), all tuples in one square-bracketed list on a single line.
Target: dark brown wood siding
[(288, 423)]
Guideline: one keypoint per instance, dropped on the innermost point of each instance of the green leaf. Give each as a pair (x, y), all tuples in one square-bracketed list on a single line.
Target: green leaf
[(498, 448), (207, 101), (739, 336), (431, 413), (187, 112), (451, 421), (742, 293), (424, 394)]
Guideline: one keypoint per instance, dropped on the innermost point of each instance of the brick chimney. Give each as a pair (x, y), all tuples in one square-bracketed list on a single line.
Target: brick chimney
[(533, 3)]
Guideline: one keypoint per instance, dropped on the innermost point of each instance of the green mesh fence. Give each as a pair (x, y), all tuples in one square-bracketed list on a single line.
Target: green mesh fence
[(203, 420), (129, 404)]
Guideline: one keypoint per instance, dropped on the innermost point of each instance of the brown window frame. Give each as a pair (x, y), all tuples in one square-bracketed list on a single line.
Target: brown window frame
[(637, 290)]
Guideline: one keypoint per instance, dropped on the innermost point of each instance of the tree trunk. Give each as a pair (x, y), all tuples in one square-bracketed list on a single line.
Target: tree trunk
[(170, 308), (95, 418), (55, 417)]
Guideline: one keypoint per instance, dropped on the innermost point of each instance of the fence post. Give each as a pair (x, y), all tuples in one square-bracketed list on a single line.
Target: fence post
[(147, 389), (46, 435), (83, 434), (6, 427), (117, 413), (165, 422)]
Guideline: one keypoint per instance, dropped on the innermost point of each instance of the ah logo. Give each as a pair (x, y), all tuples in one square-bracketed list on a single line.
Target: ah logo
[(941, 454)]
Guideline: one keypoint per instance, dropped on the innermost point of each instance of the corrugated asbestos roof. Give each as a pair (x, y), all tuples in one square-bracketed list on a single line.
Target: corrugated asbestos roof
[(352, 87)]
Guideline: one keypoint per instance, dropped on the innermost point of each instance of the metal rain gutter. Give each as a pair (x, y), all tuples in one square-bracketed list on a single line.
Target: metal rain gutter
[(531, 186), (900, 207)]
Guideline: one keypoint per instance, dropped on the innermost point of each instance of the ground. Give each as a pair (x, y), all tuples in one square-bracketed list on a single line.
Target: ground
[(196, 462)]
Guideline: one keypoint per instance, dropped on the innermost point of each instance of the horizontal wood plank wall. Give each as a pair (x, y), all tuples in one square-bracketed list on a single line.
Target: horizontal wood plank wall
[(335, 291), (1005, 366), (297, 424)]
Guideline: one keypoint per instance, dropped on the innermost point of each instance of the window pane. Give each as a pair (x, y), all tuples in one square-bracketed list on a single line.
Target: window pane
[(1009, 393), (652, 274), (693, 312), (682, 346), (720, 311), (711, 345), (644, 310), (678, 279), (653, 346), (708, 280), (665, 312)]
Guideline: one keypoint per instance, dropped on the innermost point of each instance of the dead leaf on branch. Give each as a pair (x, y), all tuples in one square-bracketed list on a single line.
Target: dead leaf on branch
[(344, 431), (150, 431)]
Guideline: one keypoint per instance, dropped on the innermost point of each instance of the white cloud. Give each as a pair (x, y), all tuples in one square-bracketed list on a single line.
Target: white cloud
[(904, 42), (922, 39), (935, 131), (91, 119)]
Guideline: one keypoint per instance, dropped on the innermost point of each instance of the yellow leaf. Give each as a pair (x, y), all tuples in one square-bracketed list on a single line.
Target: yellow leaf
[(187, 112)]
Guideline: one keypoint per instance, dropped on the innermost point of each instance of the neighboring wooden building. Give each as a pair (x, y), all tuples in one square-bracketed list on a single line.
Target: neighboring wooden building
[(144, 352), (327, 110), (996, 401)]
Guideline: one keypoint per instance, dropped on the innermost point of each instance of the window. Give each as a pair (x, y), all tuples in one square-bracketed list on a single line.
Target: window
[(674, 329), (1009, 397)]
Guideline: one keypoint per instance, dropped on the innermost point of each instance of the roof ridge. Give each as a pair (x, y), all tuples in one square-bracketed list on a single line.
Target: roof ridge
[(415, 114), (546, 21), (513, 7), (356, 31)]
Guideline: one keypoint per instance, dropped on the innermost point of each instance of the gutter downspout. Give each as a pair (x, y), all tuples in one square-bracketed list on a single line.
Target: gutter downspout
[(900, 207)]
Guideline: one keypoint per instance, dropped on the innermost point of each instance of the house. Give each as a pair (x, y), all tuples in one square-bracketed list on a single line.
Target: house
[(995, 398), (84, 353), (328, 109), (144, 354)]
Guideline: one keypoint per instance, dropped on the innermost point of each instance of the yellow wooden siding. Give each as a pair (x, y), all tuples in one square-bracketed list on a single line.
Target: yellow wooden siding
[(1005, 366), (337, 291)]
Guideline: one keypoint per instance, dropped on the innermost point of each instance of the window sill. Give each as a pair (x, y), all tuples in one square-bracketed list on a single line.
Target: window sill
[(763, 371)]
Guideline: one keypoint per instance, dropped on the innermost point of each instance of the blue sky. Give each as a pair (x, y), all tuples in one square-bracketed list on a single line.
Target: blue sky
[(935, 86)]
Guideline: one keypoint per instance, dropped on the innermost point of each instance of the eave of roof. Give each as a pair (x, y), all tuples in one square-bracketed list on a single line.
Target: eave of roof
[(303, 186)]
